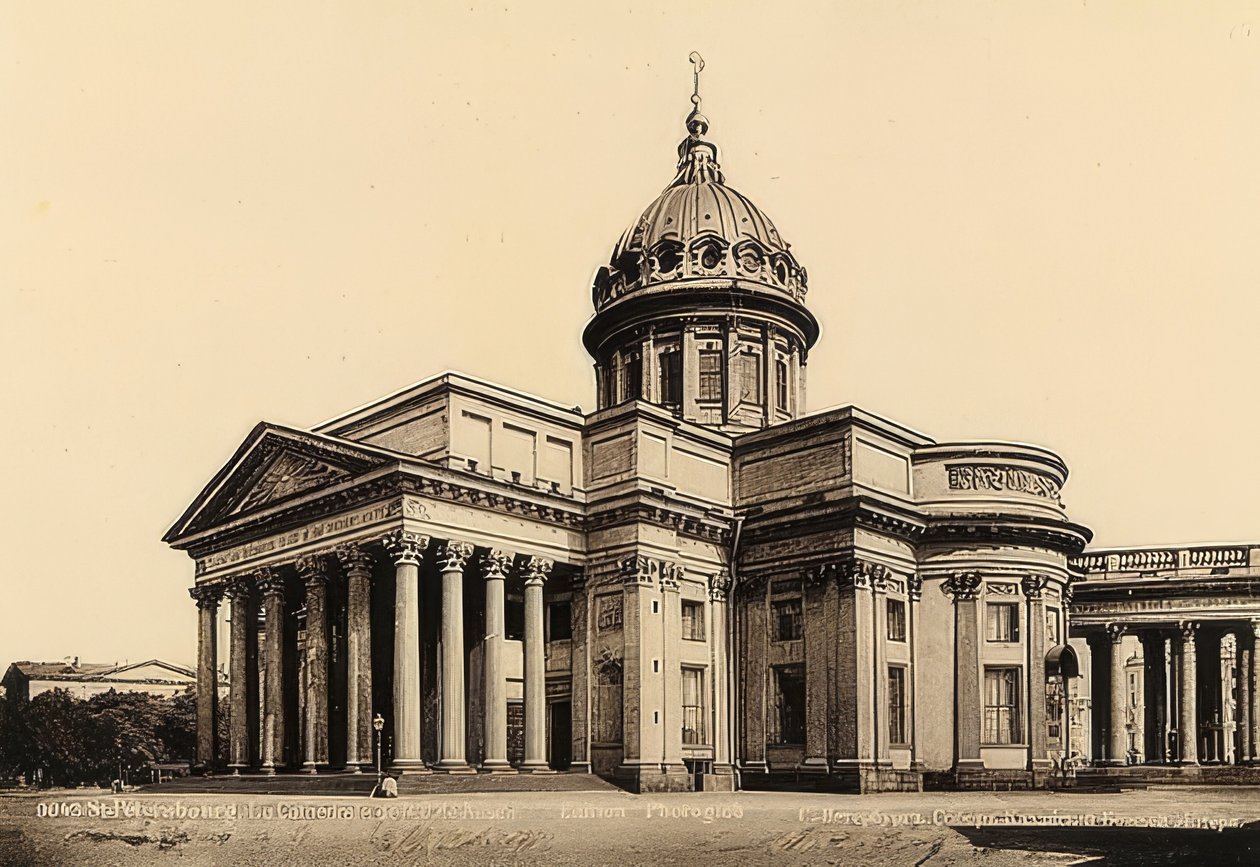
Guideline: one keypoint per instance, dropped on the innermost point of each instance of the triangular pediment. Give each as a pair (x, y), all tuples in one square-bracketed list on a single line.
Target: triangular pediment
[(273, 466), (289, 474)]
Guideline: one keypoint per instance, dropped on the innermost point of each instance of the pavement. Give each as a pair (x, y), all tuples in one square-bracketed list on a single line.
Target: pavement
[(1205, 826)]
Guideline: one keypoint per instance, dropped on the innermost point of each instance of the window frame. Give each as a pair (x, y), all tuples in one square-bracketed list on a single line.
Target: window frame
[(698, 711), (1002, 724), (898, 605), (671, 366), (798, 618), (992, 631), (780, 385), (898, 728), (698, 619), (710, 382)]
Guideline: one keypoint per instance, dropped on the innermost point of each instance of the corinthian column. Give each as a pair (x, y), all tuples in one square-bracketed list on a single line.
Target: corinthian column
[(241, 593), (207, 596), (452, 747), (1117, 747), (314, 573), (406, 549), (357, 564), (964, 588), (494, 567), (1188, 733), (271, 585), (536, 571)]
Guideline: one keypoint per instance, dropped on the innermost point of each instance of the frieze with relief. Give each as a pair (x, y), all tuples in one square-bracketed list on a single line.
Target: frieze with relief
[(609, 612), (993, 477), (288, 475)]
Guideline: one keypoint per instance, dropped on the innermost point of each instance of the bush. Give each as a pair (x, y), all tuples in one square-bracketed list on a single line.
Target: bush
[(75, 741)]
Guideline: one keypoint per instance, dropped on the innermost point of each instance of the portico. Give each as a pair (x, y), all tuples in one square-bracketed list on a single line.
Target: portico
[(1187, 620), (294, 729)]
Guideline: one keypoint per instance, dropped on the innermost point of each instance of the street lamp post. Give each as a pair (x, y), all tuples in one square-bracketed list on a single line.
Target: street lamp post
[(378, 723)]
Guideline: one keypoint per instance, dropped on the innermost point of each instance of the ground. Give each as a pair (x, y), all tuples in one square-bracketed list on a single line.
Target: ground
[(1170, 825)]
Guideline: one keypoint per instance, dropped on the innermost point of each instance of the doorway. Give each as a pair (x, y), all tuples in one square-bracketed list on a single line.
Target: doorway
[(561, 735)]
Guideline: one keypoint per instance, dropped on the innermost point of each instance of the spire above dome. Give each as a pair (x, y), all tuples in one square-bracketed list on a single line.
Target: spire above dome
[(697, 158)]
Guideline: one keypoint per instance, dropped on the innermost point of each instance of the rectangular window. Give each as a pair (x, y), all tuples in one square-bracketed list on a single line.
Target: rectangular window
[(1002, 621), (896, 704), (671, 378), (781, 386), (788, 720), (1001, 706), (632, 385), (693, 620), (787, 617), (559, 622), (1052, 627), (693, 706), (710, 375), (896, 620)]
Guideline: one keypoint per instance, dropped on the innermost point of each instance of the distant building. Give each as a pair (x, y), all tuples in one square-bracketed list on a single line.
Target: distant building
[(24, 680)]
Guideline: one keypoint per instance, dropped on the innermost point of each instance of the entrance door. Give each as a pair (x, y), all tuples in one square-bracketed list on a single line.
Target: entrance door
[(561, 735)]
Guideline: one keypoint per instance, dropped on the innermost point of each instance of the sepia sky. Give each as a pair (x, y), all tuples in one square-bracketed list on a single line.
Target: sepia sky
[(1033, 222)]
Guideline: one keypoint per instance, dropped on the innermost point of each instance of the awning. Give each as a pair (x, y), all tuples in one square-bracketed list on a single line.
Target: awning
[(1061, 660)]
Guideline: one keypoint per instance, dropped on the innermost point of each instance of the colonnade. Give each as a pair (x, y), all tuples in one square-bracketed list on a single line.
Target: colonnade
[(1191, 693), (258, 717)]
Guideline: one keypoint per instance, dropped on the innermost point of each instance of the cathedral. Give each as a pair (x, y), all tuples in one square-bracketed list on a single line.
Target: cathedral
[(699, 585)]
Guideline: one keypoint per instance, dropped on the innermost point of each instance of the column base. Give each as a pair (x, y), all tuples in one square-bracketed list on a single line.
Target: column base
[(654, 777), (581, 768), (409, 767), (453, 766), (814, 766), (309, 768), (536, 767), (268, 770), (496, 766), (237, 768)]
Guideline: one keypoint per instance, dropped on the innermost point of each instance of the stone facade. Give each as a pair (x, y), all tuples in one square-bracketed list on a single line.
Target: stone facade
[(697, 584)]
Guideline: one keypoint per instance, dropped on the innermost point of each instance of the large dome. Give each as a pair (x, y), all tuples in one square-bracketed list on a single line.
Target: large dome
[(699, 229)]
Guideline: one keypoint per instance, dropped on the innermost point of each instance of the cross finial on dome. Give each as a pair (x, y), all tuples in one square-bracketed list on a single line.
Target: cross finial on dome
[(697, 124)]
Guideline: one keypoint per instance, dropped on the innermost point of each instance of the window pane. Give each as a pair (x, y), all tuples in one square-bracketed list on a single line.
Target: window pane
[(787, 620), (693, 706), (710, 375), (671, 377)]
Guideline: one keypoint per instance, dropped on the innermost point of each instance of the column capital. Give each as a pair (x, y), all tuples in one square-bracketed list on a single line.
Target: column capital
[(720, 585), (354, 558), (1188, 628), (536, 569), (962, 586), (404, 547), (313, 570), (671, 575), (495, 565), (914, 586), (1034, 585), (451, 556), (1116, 632), (239, 588), (269, 581), (207, 595), (1255, 628), (864, 574)]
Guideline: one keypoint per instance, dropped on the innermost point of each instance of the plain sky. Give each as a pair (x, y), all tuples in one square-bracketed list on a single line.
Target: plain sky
[(1025, 221)]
